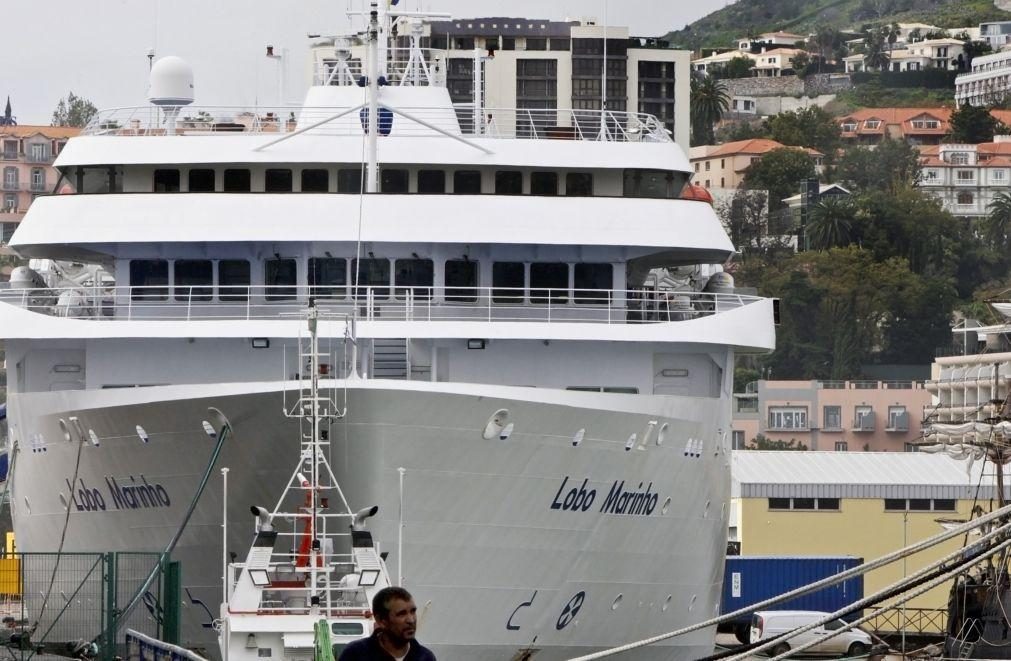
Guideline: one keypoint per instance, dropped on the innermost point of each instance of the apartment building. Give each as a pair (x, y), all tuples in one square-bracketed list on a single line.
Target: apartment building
[(966, 178), (877, 416), (724, 166), (942, 53), (919, 126), (27, 154), (544, 65), (989, 80), (995, 33)]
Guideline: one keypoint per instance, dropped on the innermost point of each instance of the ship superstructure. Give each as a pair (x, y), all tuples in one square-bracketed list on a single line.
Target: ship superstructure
[(538, 399)]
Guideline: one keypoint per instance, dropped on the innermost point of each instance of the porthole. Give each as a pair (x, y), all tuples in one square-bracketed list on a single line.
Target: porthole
[(506, 433), (666, 506), (616, 602), (661, 435), (666, 602), (65, 430), (630, 443), (496, 424), (142, 434), (578, 438), (691, 604)]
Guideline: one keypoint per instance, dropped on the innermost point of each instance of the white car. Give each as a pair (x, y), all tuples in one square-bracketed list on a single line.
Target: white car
[(768, 624)]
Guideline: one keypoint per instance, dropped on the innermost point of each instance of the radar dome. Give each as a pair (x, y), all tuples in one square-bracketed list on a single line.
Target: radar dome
[(171, 82)]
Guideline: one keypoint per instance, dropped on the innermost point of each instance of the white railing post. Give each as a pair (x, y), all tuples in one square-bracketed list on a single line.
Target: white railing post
[(549, 305), (249, 302), (129, 303), (189, 304), (489, 303)]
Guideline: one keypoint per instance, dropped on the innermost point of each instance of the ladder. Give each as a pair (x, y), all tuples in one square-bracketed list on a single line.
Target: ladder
[(389, 358)]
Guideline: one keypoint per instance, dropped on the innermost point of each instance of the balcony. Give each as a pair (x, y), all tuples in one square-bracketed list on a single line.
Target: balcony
[(898, 423), (10, 156), (38, 187), (36, 158), (11, 186), (864, 422)]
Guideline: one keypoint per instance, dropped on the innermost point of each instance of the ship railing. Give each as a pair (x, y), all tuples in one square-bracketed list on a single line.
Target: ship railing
[(401, 69), (460, 119), (286, 593), (400, 302)]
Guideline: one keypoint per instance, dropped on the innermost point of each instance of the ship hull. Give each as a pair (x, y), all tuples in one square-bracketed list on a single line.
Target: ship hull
[(537, 538)]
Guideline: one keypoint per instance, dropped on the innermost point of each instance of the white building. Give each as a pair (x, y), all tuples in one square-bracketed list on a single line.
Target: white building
[(988, 82), (995, 33), (916, 56), (717, 60), (770, 39), (966, 178)]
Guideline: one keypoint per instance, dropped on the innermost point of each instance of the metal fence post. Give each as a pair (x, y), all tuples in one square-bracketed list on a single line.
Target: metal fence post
[(171, 600), (108, 648)]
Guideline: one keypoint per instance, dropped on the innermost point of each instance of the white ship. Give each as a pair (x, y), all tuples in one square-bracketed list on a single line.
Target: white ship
[(538, 391)]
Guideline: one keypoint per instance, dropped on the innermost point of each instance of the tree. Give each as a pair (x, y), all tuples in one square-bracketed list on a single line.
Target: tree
[(709, 100), (972, 49), (761, 442), (800, 63), (893, 165), (808, 127), (830, 221), (738, 67), (746, 219), (875, 54), (73, 110), (974, 124), (891, 33), (997, 225), (780, 172)]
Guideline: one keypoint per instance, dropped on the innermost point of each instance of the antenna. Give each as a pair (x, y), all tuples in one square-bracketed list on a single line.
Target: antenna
[(603, 83)]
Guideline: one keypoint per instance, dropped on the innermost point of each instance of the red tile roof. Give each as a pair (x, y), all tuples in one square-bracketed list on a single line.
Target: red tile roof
[(755, 146), (989, 155), (26, 131), (896, 117)]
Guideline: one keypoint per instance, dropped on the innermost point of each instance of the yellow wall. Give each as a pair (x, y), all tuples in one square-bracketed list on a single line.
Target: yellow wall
[(860, 528)]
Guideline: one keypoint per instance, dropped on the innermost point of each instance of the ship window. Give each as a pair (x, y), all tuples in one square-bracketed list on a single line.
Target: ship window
[(193, 279), (507, 280), (150, 276), (237, 181), (654, 183), (166, 181), (461, 279), (467, 182), (544, 183), (99, 179), (593, 283), (508, 182), (328, 277), (233, 280), (349, 181), (277, 181), (315, 181), (416, 274), (549, 282), (432, 181), (374, 273), (280, 277), (579, 184), (201, 181), (394, 181)]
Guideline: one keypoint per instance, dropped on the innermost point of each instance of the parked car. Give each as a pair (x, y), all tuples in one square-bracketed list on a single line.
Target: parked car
[(768, 624)]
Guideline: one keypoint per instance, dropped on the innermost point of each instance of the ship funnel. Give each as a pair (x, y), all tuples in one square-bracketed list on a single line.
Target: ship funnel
[(263, 518)]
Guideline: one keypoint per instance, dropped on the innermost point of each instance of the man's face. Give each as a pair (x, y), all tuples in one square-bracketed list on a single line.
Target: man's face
[(402, 621)]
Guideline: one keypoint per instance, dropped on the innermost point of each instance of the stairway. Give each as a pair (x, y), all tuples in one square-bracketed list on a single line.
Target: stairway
[(389, 358)]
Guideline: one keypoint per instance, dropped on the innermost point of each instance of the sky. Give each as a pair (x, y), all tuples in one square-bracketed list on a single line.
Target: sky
[(98, 49)]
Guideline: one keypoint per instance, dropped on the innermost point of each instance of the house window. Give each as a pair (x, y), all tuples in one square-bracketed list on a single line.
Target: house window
[(831, 418), (830, 504), (965, 176), (998, 175), (708, 164), (926, 124), (841, 446), (863, 418), (959, 158), (737, 440), (919, 504), (787, 417), (10, 150), (872, 124), (931, 176), (849, 127), (10, 201), (38, 179), (898, 419), (10, 177), (38, 152), (965, 199)]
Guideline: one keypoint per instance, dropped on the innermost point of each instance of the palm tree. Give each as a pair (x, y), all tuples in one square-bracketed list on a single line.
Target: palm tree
[(709, 100), (997, 225), (830, 221), (875, 54)]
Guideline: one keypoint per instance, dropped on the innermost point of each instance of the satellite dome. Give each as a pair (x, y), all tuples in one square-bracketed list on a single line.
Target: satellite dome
[(171, 82)]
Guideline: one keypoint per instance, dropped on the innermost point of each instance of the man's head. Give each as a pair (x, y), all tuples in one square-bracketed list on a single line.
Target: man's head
[(396, 613)]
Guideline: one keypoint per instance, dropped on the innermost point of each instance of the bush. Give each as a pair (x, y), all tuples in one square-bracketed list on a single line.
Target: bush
[(926, 78)]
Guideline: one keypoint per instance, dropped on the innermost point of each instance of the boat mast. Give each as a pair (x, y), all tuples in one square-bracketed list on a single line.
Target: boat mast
[(377, 17)]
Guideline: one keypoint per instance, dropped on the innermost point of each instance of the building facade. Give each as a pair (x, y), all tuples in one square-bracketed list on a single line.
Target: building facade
[(995, 33), (943, 53), (724, 166), (26, 160), (858, 504), (989, 80), (967, 178), (918, 126), (841, 416)]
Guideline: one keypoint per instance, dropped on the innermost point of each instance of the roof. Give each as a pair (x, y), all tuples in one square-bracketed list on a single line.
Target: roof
[(989, 154), (754, 146), (783, 35), (901, 117), (823, 189), (809, 474), (28, 130)]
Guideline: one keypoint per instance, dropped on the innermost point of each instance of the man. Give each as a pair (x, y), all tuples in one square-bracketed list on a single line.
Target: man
[(396, 623)]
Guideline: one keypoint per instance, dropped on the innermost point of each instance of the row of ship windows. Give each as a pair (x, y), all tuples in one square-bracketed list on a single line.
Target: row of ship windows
[(891, 504), (329, 277), (636, 182)]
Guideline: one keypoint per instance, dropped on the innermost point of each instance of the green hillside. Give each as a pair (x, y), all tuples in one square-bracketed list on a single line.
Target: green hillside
[(744, 17)]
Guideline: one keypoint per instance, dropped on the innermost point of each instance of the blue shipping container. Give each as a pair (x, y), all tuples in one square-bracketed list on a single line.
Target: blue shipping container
[(748, 580)]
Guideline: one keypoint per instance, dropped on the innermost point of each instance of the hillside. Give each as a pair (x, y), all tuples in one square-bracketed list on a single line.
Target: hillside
[(744, 17)]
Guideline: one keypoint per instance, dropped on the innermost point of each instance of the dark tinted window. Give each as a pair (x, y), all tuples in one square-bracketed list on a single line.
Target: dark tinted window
[(922, 504), (467, 182), (828, 503), (277, 181), (315, 181), (194, 279), (233, 280), (896, 504), (597, 278), (202, 181), (507, 280), (559, 44), (166, 181), (280, 276), (537, 43), (579, 184), (373, 273), (393, 181), (461, 278), (779, 503), (544, 183), (508, 182), (803, 503), (944, 504), (349, 181), (237, 181), (328, 277), (654, 183), (414, 274), (431, 181), (549, 281), (152, 275)]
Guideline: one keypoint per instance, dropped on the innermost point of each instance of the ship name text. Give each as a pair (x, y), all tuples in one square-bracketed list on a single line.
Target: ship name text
[(640, 501), (119, 495)]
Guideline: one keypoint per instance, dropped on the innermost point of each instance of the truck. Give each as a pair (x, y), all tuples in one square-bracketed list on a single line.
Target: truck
[(748, 580)]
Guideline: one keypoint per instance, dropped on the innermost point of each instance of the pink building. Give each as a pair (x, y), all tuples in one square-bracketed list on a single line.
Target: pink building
[(27, 154), (876, 416)]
